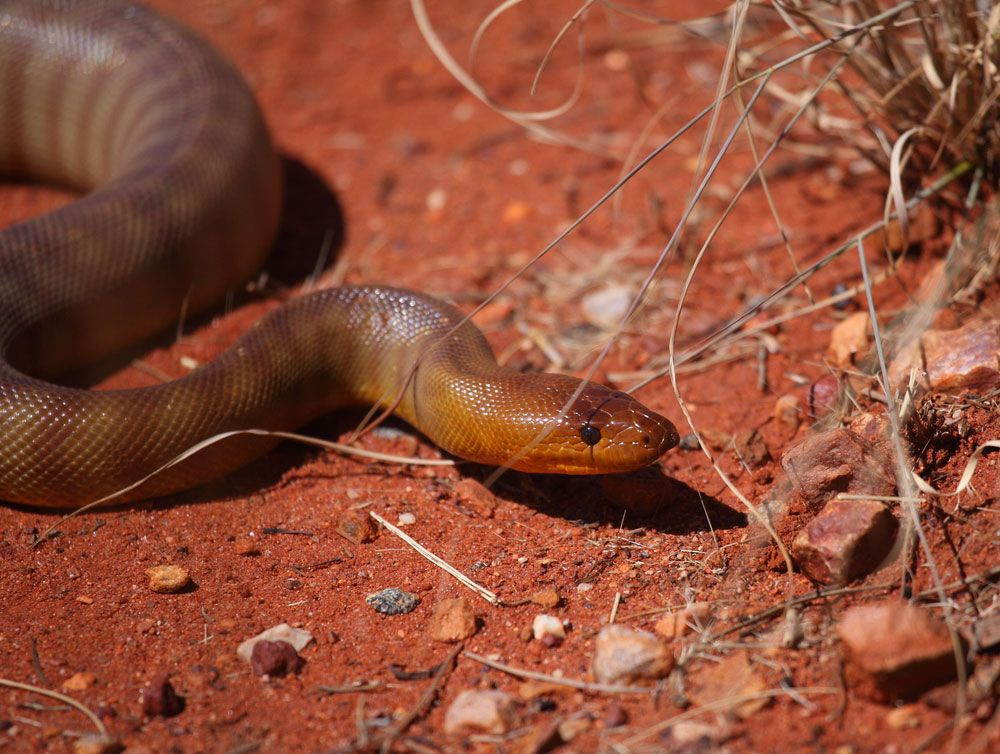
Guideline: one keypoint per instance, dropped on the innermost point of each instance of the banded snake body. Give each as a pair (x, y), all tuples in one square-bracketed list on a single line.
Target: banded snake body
[(183, 199)]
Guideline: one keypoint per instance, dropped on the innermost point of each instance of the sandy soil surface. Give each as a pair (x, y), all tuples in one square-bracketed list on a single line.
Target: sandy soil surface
[(398, 175)]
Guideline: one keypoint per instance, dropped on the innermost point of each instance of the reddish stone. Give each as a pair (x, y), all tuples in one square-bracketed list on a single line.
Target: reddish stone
[(275, 659), (847, 540), (160, 700), (896, 650), (836, 461)]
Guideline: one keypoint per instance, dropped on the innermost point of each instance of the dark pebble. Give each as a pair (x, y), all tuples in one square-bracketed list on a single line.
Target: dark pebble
[(160, 700), (275, 659), (393, 601), (615, 717)]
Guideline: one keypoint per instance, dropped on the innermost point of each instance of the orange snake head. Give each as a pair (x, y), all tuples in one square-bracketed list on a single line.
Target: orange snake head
[(602, 431)]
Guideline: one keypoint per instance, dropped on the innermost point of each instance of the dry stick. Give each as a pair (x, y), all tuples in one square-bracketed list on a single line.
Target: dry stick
[(904, 479), (482, 591), (531, 675), (58, 697)]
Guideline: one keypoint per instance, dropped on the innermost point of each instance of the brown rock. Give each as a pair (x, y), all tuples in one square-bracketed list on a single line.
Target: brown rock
[(547, 598), (788, 412), (895, 650), (475, 711), (160, 700), (848, 339), (247, 547), (734, 677), (847, 540), (839, 460), (453, 620), (901, 718), (168, 579), (674, 625), (275, 659), (751, 449), (615, 716), (624, 654), (357, 527), (79, 682), (480, 499)]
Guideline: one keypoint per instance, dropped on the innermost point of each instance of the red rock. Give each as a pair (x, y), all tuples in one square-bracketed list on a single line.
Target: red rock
[(547, 598), (788, 412), (675, 625), (480, 499), (275, 659), (357, 527), (751, 449), (963, 359), (453, 620), (847, 540), (824, 395), (896, 650), (836, 461), (160, 700)]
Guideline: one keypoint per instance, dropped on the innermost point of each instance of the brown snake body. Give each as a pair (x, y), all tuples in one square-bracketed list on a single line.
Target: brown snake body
[(184, 199)]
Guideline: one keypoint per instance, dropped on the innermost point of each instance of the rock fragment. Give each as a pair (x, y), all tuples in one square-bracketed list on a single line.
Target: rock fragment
[(393, 601), (896, 650), (547, 598), (986, 631), (475, 711), (159, 699), (624, 654), (275, 659), (848, 339), (836, 461), (453, 620), (298, 638), (79, 682), (963, 358), (168, 579), (548, 629), (788, 412), (605, 307), (357, 527), (848, 539)]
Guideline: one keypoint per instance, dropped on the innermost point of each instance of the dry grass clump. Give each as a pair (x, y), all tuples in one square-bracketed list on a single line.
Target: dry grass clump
[(929, 80)]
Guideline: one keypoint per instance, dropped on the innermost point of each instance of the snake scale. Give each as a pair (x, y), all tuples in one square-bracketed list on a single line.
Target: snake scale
[(180, 199)]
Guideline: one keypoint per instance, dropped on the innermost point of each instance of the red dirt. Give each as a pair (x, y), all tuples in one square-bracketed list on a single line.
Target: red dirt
[(439, 193)]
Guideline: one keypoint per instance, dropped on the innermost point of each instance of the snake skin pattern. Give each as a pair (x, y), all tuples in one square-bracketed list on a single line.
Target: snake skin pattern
[(184, 200)]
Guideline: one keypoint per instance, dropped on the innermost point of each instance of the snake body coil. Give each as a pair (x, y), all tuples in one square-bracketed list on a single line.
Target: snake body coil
[(185, 197)]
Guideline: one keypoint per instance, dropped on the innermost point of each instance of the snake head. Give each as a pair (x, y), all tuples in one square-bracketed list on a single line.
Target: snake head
[(599, 431)]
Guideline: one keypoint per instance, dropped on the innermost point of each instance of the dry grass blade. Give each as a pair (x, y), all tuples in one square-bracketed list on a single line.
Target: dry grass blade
[(59, 698)]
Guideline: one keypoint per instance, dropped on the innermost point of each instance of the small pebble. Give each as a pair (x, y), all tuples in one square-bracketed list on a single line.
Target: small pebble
[(79, 682), (453, 620), (357, 527), (584, 586), (547, 598), (624, 654), (548, 629), (393, 601), (406, 519), (476, 711), (605, 307), (298, 638), (570, 729), (615, 717), (160, 700), (902, 718), (247, 547), (275, 659), (94, 743), (168, 579)]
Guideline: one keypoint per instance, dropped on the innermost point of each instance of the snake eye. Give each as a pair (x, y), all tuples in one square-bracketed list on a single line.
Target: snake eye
[(590, 434)]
